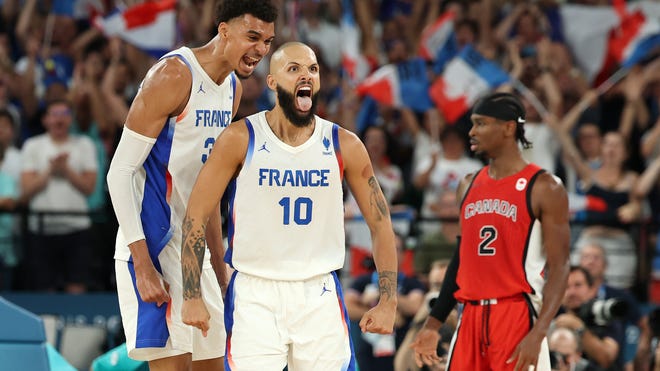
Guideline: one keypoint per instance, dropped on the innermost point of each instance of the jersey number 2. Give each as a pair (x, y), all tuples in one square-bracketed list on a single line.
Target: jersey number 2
[(488, 234), (302, 210)]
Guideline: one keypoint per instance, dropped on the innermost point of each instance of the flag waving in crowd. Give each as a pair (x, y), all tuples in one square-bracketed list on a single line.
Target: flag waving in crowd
[(403, 84), (466, 78), (150, 26)]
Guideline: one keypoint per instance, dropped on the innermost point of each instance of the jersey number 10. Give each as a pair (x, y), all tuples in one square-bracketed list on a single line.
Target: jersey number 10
[(302, 210)]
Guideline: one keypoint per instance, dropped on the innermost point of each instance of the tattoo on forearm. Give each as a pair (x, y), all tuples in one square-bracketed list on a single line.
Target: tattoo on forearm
[(387, 284), (377, 200), (192, 256)]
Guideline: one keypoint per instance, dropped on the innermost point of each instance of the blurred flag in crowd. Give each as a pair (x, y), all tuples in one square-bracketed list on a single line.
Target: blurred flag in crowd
[(600, 37), (399, 85), (150, 26), (466, 78), (438, 41), (353, 61), (635, 38)]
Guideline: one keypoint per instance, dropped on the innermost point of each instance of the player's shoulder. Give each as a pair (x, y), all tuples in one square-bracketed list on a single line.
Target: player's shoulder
[(347, 138), (548, 182), (171, 71)]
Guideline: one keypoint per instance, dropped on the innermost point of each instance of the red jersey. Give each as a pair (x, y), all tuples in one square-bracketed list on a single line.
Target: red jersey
[(501, 252)]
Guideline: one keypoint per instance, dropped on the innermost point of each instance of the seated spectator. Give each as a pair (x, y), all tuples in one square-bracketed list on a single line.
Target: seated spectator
[(405, 358), (8, 198), (374, 351), (599, 343), (59, 171), (565, 353)]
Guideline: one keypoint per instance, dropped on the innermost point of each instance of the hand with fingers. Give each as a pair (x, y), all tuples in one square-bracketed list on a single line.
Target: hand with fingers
[(151, 286), (194, 313), (425, 347), (526, 354), (379, 319)]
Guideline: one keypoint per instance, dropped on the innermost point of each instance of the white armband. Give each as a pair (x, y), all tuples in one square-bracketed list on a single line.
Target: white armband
[(131, 152)]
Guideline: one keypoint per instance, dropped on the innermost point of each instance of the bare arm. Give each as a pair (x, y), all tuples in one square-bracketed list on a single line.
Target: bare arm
[(221, 166), (216, 248), (146, 118), (552, 201), (364, 186), (550, 206)]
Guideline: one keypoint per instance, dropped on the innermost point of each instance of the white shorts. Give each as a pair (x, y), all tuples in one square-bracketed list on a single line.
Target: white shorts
[(154, 332), (274, 323)]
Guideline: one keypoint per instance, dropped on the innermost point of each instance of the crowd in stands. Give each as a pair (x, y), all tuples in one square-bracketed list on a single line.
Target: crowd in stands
[(65, 89)]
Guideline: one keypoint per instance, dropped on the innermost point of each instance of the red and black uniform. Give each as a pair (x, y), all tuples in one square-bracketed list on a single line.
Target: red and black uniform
[(499, 273)]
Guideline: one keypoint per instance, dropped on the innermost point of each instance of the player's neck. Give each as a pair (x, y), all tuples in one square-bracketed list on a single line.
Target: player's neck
[(506, 164), (209, 58), (286, 131)]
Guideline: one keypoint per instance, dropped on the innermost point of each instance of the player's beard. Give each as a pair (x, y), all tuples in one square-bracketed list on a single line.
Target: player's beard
[(287, 102)]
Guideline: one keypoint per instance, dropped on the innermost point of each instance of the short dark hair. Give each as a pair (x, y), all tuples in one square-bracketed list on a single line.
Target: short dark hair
[(262, 9), (588, 277)]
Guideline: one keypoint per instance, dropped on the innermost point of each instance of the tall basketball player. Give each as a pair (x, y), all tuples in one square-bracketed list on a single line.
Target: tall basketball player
[(186, 100)]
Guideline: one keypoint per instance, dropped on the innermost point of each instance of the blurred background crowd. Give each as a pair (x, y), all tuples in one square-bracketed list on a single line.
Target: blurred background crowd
[(402, 74)]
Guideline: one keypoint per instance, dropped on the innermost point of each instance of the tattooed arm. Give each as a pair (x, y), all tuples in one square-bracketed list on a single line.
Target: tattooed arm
[(363, 184), (223, 163)]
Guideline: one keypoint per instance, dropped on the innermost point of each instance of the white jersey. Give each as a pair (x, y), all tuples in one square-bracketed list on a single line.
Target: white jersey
[(286, 208), (168, 174)]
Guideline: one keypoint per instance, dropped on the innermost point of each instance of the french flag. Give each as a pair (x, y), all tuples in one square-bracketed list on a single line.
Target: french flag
[(465, 79), (604, 37), (438, 41), (399, 85), (150, 26), (635, 38), (353, 61)]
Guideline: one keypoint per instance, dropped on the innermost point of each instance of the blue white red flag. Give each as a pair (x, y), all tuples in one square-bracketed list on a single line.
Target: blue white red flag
[(438, 41), (635, 38), (150, 26), (399, 85), (465, 79)]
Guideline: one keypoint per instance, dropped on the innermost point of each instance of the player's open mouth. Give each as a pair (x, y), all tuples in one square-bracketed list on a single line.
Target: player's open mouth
[(304, 98), (250, 62)]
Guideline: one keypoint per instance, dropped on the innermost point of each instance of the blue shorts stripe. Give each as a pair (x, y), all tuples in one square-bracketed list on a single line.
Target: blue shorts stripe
[(152, 331), (351, 366)]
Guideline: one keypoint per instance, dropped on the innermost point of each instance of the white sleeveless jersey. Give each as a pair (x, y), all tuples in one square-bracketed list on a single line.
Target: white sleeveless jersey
[(286, 209), (167, 177)]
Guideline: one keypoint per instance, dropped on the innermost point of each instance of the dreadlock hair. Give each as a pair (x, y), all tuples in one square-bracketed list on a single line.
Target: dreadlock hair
[(230, 9)]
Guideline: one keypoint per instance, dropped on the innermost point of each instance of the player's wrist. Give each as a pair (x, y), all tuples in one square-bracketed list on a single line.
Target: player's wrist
[(432, 324)]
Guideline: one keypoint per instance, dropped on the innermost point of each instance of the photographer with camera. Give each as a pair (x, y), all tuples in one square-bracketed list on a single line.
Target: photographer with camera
[(596, 322), (634, 347)]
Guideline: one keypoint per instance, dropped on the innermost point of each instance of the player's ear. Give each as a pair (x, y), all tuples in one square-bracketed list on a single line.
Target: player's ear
[(223, 27), (271, 83)]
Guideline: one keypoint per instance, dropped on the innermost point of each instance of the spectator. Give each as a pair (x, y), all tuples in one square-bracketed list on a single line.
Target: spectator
[(374, 351), (565, 353), (59, 171), (594, 260), (599, 343), (8, 198), (405, 358), (11, 163)]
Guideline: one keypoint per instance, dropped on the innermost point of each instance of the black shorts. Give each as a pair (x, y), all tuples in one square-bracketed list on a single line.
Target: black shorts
[(57, 260)]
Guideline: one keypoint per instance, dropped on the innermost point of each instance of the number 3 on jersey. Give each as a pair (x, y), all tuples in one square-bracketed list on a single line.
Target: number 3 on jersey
[(488, 234), (208, 144)]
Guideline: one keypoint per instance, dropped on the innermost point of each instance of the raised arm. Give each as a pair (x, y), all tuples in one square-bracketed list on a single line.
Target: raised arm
[(550, 206), (222, 165), (146, 118), (364, 186)]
